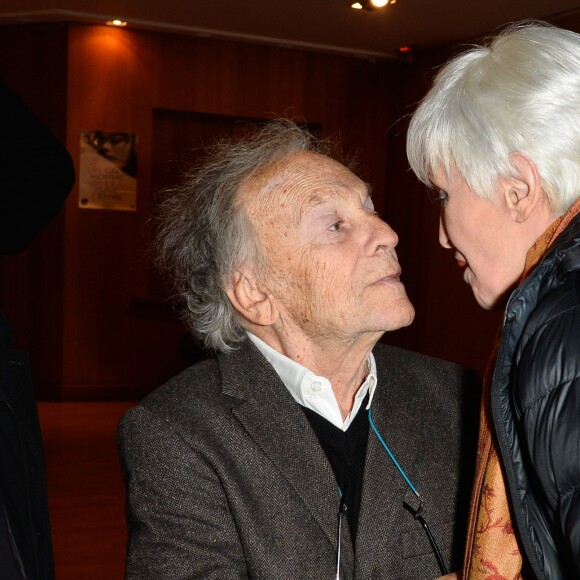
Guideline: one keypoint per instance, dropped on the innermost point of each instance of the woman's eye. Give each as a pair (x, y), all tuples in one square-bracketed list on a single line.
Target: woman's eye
[(335, 226), (440, 197)]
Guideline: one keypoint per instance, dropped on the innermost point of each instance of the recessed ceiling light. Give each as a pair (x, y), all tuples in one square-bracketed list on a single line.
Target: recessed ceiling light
[(116, 22), (371, 4)]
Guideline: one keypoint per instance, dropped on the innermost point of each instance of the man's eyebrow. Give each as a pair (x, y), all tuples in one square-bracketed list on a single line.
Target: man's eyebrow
[(326, 195), (335, 191), (317, 198)]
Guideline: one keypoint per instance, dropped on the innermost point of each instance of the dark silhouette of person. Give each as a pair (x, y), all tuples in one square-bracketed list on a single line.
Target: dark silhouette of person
[(36, 175)]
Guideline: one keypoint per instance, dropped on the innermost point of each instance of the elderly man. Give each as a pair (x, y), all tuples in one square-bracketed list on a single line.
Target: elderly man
[(305, 449)]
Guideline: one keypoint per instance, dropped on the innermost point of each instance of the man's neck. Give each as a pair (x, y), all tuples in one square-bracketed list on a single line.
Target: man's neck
[(344, 364)]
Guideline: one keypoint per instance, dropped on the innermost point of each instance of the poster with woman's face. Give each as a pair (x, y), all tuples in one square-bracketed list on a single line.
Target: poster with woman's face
[(108, 171)]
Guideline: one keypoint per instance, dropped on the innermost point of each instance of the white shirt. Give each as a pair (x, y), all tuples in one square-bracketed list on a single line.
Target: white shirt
[(314, 392)]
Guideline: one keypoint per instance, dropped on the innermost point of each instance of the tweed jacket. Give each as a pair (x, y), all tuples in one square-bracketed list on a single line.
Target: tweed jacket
[(226, 479)]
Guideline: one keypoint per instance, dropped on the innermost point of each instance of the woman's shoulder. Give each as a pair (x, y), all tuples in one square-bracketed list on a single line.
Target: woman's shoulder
[(547, 357)]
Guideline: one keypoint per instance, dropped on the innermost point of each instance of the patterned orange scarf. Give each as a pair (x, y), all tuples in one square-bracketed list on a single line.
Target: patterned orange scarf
[(492, 551)]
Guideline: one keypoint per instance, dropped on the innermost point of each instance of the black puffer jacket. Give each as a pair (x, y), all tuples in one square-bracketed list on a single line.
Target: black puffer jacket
[(536, 409)]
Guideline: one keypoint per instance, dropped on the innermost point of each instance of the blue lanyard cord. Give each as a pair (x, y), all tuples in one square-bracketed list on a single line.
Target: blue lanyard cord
[(372, 424), (417, 514)]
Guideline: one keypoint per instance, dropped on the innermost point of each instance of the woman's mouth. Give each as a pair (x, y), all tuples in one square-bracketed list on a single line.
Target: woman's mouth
[(461, 261)]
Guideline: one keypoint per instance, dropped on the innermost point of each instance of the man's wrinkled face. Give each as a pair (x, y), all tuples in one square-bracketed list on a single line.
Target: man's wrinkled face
[(330, 261)]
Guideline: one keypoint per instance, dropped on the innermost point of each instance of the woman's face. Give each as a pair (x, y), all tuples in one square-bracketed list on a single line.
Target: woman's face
[(116, 147), (486, 239)]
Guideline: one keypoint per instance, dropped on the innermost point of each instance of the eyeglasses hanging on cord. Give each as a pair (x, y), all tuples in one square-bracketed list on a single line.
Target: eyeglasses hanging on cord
[(416, 513)]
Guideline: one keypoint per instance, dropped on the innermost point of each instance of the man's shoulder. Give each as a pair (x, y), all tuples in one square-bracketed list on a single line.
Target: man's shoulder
[(418, 370), (433, 391), (185, 404), (209, 385), (387, 354), (197, 383)]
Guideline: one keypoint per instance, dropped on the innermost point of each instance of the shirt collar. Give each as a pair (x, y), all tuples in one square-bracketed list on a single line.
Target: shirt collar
[(315, 392)]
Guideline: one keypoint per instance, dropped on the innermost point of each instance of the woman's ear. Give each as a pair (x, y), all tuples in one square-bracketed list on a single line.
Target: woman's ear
[(523, 194), (250, 301)]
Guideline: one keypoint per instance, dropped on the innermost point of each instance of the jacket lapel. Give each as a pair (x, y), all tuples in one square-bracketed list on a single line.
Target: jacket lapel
[(384, 488), (276, 423)]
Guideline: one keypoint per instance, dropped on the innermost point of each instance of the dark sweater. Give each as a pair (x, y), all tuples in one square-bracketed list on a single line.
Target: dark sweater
[(346, 452)]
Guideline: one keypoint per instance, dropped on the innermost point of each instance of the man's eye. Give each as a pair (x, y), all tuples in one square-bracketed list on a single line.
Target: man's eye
[(336, 226)]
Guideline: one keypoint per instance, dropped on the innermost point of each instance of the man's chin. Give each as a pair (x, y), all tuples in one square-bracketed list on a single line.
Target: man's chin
[(409, 320), (404, 317)]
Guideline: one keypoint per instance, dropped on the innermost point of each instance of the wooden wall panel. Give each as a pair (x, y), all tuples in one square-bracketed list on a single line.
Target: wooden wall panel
[(108, 346), (448, 322), (116, 342), (111, 340), (33, 63)]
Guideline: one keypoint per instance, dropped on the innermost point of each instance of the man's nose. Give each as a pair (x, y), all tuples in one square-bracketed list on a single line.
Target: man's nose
[(385, 237), (443, 237)]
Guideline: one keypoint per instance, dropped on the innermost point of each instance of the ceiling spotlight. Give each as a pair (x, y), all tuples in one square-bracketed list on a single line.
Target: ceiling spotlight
[(371, 4), (116, 22)]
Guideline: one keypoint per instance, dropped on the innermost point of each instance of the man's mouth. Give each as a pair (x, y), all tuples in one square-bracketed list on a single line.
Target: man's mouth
[(390, 276)]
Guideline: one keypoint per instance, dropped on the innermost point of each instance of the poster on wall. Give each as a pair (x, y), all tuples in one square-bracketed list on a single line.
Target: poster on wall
[(108, 171)]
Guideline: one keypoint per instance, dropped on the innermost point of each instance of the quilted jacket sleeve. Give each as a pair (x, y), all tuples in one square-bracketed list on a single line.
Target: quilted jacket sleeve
[(550, 364)]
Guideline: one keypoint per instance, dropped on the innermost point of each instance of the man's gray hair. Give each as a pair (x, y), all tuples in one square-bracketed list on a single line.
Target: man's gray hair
[(519, 92), (204, 232)]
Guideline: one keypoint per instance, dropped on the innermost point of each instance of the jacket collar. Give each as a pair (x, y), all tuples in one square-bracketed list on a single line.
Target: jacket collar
[(279, 427), (384, 489), (561, 258)]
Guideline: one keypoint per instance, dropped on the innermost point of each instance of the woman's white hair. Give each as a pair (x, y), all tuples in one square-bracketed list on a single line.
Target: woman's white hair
[(518, 92)]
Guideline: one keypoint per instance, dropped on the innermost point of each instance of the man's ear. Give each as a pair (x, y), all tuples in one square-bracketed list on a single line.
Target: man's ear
[(251, 302), (523, 193)]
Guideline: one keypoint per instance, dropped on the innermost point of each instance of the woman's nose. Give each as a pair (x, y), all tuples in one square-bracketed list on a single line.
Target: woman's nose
[(443, 237)]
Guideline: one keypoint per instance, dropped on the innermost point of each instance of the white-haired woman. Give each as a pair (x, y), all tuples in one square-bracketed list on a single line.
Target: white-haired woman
[(498, 138)]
